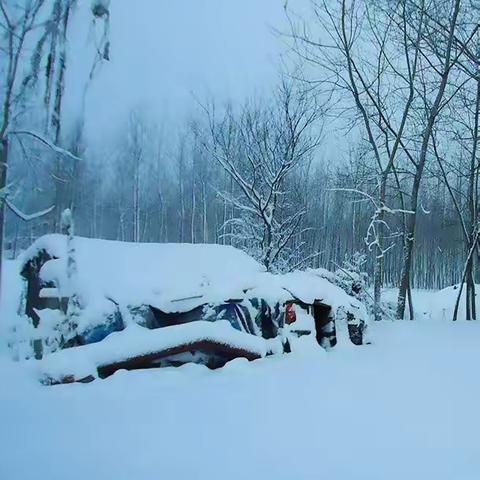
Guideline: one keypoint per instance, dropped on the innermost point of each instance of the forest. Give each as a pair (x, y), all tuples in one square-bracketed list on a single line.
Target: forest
[(239, 239), (398, 82)]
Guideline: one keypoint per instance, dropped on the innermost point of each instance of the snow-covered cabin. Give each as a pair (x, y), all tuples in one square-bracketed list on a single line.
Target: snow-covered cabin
[(120, 287)]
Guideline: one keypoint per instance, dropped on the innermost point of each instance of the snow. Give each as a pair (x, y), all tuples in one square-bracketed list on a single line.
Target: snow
[(48, 143), (309, 286), (171, 277), (403, 408), (435, 305), (442, 303), (9, 301), (175, 277), (303, 322), (136, 341)]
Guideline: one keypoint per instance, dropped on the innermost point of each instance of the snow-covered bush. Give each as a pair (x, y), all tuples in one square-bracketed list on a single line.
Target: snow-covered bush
[(351, 278)]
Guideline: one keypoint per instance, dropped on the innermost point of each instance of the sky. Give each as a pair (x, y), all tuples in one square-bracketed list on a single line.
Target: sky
[(165, 54)]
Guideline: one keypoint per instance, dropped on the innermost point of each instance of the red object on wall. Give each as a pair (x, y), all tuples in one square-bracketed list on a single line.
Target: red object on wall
[(290, 315)]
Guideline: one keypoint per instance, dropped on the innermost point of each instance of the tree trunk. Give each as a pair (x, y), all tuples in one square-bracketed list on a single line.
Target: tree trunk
[(192, 217), (431, 119), (473, 296), (379, 258), (267, 246), (473, 198), (377, 288), (407, 260), (464, 275), (410, 303), (468, 292), (205, 222), (3, 183)]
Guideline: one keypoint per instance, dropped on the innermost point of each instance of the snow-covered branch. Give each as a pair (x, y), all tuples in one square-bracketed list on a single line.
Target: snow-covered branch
[(45, 141), (25, 216), (259, 147), (372, 237)]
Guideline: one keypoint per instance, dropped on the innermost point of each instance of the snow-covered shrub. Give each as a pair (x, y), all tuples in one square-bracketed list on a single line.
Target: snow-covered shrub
[(352, 278)]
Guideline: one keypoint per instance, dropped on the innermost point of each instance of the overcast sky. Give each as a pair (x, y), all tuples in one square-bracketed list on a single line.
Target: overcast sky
[(163, 52)]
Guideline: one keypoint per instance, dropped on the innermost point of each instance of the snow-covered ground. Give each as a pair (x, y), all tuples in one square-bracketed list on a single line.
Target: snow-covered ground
[(435, 305), (422, 301), (405, 407)]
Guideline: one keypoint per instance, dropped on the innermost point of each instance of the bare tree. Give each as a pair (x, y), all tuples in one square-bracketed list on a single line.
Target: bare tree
[(259, 148), (34, 33), (370, 80), (398, 86), (461, 130), (19, 24)]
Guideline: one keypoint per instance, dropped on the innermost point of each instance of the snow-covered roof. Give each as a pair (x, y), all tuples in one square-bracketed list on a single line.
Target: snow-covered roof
[(311, 285), (170, 276)]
